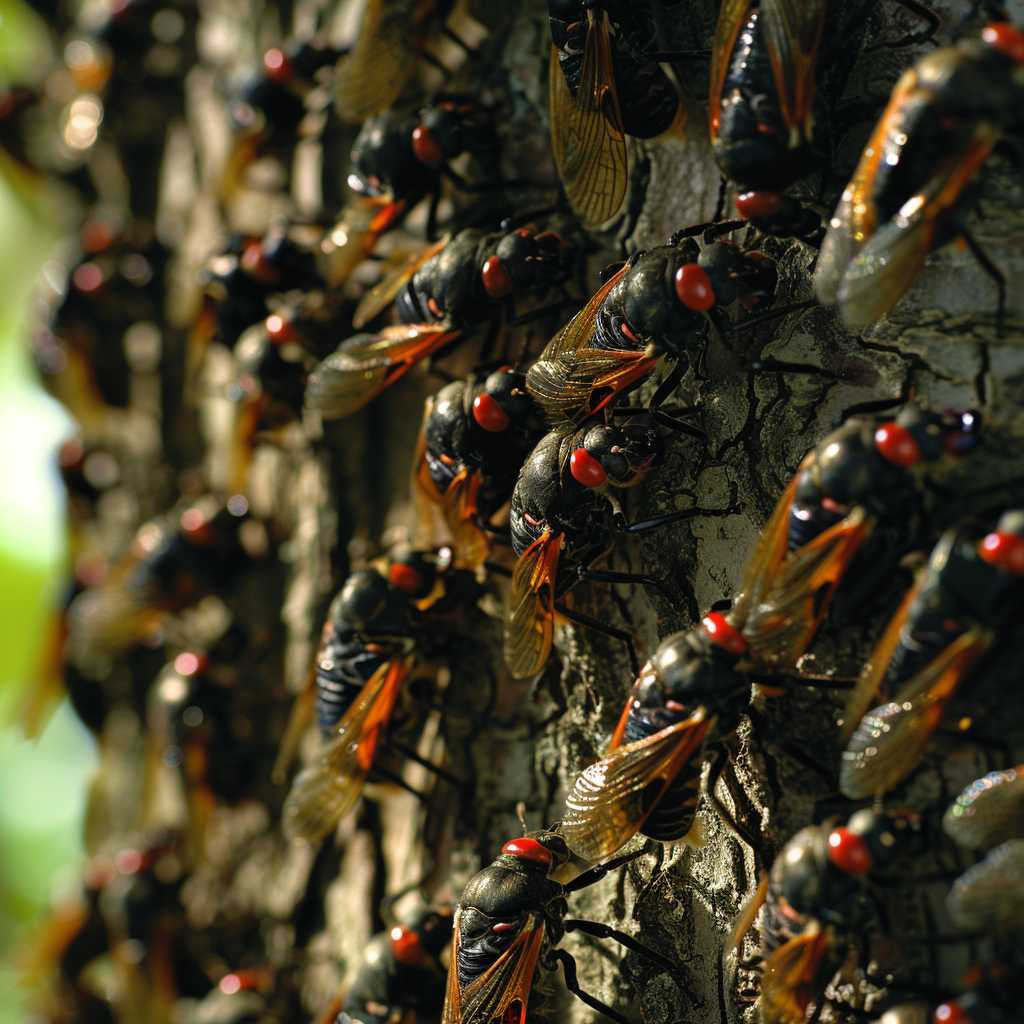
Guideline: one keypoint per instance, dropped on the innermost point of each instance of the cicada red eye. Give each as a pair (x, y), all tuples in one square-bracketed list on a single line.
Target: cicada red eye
[(849, 852), (750, 205), (951, 1013), (723, 633), (87, 278), (897, 444), (693, 287), (405, 577), (426, 148), (497, 280), (188, 663), (1005, 38), (279, 330), (585, 469), (196, 527), (405, 944), (1005, 550), (526, 848), (276, 65), (489, 415)]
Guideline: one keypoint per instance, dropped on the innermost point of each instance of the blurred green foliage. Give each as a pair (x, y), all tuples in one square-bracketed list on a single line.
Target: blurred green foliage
[(42, 783)]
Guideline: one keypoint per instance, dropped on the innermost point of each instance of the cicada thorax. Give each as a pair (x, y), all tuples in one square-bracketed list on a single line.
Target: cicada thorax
[(966, 585), (485, 427), (370, 622), (648, 101), (873, 468), (547, 499), (512, 908), (689, 673), (754, 146), (950, 91), (642, 307), (383, 163), (400, 970), (817, 904)]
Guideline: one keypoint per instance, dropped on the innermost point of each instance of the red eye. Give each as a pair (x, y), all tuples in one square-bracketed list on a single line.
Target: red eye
[(405, 577), (426, 148), (405, 945), (758, 204), (190, 664), (723, 633), (693, 287), (196, 527), (277, 65), (951, 1013), (1005, 38), (279, 330), (528, 849), (497, 280), (489, 415), (1005, 550), (585, 469), (849, 852), (897, 444), (87, 278)]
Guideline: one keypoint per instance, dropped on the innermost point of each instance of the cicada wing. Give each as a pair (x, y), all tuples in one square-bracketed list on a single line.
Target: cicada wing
[(530, 616), (365, 366), (989, 811), (768, 555), (577, 333), (749, 913), (869, 685), (732, 16), (378, 298), (888, 264), (501, 994), (793, 604), (372, 75), (587, 140), (327, 789), (856, 215), (459, 505), (791, 977), (355, 236), (890, 740), (611, 799), (792, 31), (988, 896)]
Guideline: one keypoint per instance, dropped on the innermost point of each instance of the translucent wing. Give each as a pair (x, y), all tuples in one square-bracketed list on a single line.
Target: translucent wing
[(988, 896), (792, 31), (870, 682), (372, 75), (731, 17), (459, 505), (587, 139), (791, 977), (355, 235), (530, 617), (888, 264), (368, 364), (794, 599), (500, 995), (378, 298), (326, 790), (612, 798), (989, 811), (749, 913), (890, 740), (769, 553), (573, 379)]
